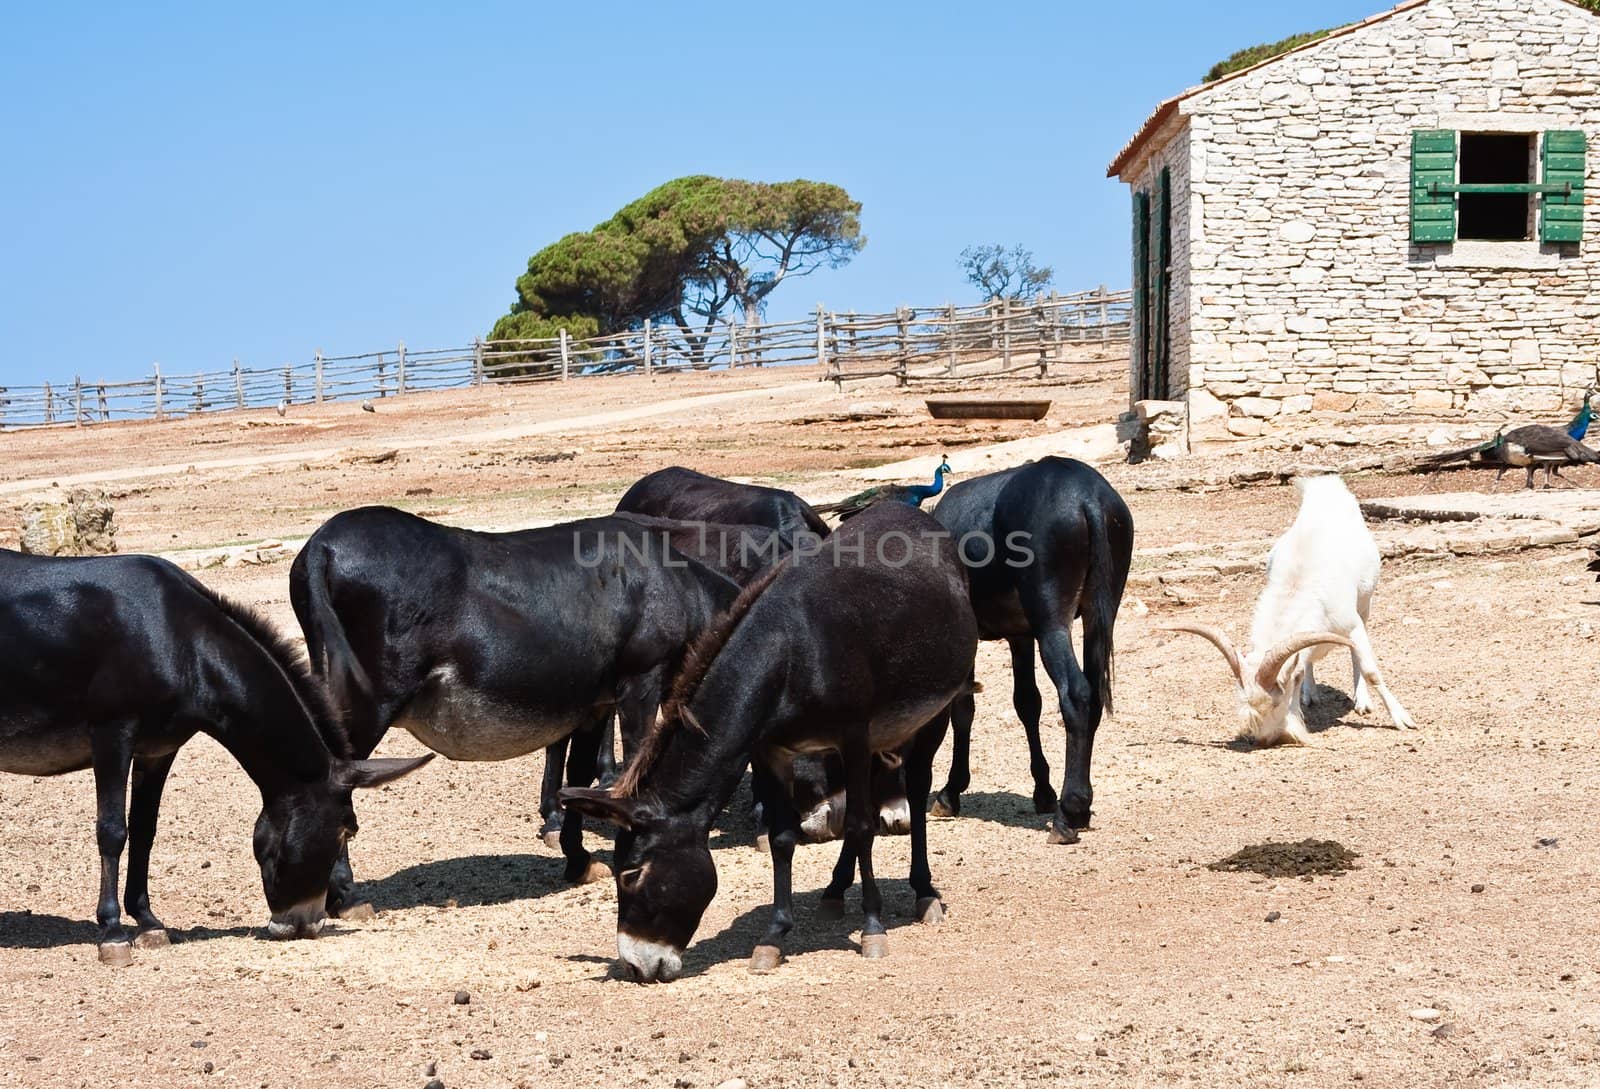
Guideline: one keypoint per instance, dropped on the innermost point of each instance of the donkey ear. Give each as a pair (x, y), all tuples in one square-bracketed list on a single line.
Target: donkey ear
[(626, 813), (370, 773)]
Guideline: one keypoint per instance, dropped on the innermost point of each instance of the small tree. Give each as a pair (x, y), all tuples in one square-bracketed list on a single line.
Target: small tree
[(1004, 274), (686, 254)]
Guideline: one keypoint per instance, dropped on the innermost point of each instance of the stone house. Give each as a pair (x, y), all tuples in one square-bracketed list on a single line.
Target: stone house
[(1387, 220)]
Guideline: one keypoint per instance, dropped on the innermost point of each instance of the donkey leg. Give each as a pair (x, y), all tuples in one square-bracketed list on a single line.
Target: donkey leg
[(831, 906), (112, 748), (919, 780), (860, 827), (149, 779), (1025, 698), (783, 825), (582, 867), (550, 812), (605, 761), (947, 803), (1081, 714)]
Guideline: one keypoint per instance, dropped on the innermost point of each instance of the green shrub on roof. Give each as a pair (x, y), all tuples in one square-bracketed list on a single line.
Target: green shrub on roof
[(1245, 58)]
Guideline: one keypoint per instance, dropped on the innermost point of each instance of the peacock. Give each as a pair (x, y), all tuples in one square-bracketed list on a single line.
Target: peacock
[(910, 494), (1531, 446)]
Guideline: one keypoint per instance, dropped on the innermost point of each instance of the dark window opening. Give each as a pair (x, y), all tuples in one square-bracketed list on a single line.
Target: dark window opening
[(1495, 159)]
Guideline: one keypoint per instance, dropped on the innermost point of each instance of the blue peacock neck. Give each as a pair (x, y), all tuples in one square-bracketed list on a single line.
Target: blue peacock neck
[(1579, 427)]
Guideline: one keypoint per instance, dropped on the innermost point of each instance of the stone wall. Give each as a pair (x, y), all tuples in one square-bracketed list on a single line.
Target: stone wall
[(1304, 290)]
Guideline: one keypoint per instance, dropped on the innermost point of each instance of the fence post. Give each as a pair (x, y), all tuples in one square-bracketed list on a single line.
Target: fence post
[(950, 334), (238, 385), (850, 327), (822, 337), (199, 394), (565, 362), (49, 405), (383, 388), (1055, 326), (400, 371), (1005, 334), (835, 363), (77, 401), (733, 345), (1040, 315), (1105, 327), (904, 341), (157, 367), (477, 361), (649, 369), (318, 393), (288, 382), (105, 409)]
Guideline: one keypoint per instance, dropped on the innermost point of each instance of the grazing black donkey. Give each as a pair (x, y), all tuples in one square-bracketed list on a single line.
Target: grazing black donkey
[(738, 552), (740, 549), (1044, 543), (858, 649), (114, 663), (488, 646)]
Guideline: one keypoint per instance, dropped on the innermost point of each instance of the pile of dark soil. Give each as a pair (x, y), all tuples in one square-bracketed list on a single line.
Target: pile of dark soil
[(1307, 858)]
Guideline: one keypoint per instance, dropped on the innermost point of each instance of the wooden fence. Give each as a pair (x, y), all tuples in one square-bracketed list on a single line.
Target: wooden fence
[(911, 343)]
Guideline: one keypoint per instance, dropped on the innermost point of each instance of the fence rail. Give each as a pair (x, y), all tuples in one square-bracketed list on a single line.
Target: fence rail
[(912, 343)]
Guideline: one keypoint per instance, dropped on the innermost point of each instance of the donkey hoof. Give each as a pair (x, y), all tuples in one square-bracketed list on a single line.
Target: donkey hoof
[(830, 909), (362, 912), (597, 871), (154, 938), (930, 910), (764, 843), (116, 954), (874, 946), (552, 839), (766, 958), (1061, 833), (943, 808)]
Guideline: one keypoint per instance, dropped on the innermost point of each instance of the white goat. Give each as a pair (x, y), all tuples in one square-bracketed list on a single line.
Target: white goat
[(1320, 578)]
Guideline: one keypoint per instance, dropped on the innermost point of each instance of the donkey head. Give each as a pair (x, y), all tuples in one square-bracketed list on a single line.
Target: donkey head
[(1268, 678), (299, 835), (665, 880)]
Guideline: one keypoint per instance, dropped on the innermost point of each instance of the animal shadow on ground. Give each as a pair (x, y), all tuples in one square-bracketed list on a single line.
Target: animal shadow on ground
[(736, 941), (30, 930), (1001, 807), (471, 881), (810, 934)]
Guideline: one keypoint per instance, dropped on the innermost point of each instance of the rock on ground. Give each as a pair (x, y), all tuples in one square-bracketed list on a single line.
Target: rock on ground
[(79, 523)]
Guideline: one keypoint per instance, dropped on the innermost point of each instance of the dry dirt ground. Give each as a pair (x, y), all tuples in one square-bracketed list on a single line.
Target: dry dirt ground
[(1121, 961)]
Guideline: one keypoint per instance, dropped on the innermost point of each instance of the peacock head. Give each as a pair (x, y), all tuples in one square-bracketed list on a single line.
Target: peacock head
[(944, 467)]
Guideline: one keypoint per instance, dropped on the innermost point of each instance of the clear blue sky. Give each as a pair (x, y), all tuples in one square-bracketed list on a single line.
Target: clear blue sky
[(193, 183)]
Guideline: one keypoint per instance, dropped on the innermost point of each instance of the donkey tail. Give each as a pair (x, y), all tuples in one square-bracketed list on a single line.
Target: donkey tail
[(332, 658), (1111, 554)]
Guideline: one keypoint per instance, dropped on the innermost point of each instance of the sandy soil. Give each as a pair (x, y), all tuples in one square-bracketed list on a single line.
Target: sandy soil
[(1122, 960)]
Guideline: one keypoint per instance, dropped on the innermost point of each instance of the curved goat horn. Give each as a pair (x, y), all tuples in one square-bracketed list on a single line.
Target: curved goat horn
[(1267, 674), (1216, 637)]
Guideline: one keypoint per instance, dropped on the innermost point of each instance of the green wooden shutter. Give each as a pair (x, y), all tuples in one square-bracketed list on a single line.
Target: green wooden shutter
[(1161, 240), (1561, 219), (1141, 294), (1433, 159)]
